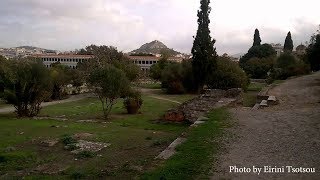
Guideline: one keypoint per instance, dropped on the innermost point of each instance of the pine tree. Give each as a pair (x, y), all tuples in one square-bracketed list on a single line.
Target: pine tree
[(204, 54), (288, 44), (256, 38)]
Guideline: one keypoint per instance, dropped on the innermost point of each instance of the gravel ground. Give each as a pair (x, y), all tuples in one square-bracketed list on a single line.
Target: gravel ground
[(287, 134)]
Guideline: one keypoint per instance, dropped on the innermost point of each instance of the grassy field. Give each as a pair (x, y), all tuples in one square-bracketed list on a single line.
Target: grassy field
[(150, 86), (194, 158), (135, 141)]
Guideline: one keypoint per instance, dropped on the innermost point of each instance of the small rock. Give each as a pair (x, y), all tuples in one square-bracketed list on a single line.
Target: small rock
[(9, 149), (174, 116), (49, 143)]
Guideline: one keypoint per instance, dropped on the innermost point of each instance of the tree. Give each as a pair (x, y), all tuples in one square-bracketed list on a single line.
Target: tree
[(156, 69), (109, 83), (106, 55), (228, 75), (258, 60), (288, 44), (262, 51), (26, 84), (61, 76), (256, 38), (313, 54), (204, 54)]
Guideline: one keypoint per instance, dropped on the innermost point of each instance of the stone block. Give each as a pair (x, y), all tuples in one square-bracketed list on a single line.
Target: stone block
[(272, 100), (174, 116), (264, 103)]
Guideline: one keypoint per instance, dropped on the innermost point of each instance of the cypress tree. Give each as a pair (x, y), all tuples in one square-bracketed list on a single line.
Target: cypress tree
[(204, 54), (288, 44), (256, 38)]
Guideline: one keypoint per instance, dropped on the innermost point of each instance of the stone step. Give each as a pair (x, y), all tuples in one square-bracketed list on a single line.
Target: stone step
[(264, 103), (256, 106), (272, 100)]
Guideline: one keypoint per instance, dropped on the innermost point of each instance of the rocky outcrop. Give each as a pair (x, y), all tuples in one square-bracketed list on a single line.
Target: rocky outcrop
[(209, 100)]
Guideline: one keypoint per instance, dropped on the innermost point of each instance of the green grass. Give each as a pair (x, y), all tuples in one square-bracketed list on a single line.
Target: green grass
[(256, 86), (277, 82), (194, 158), (135, 139), (249, 99), (250, 96), (151, 86)]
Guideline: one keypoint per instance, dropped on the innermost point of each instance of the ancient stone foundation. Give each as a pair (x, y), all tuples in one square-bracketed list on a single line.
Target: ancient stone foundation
[(194, 108)]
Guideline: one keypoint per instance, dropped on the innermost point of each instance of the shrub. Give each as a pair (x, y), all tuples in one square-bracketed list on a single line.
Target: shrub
[(67, 139), (228, 75), (172, 79), (259, 67), (133, 102), (85, 154), (288, 65), (26, 84), (156, 69)]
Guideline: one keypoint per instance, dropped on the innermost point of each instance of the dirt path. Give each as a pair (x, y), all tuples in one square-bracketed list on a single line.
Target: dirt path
[(71, 99), (284, 135)]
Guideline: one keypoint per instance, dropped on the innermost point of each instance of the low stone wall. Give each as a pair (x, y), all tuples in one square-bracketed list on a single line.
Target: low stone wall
[(194, 108)]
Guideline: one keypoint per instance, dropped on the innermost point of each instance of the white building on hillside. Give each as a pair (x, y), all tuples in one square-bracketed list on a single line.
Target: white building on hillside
[(67, 60), (145, 62)]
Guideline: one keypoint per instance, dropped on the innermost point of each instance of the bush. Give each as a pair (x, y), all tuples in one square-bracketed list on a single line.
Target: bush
[(172, 79), (259, 68), (156, 69), (288, 65), (85, 154), (258, 61), (67, 139), (133, 102), (228, 75)]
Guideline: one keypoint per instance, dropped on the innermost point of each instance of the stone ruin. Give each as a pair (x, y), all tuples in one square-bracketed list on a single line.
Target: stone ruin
[(204, 103)]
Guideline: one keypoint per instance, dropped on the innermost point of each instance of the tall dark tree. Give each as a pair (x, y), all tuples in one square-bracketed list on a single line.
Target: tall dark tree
[(204, 54), (288, 44), (256, 38), (313, 54)]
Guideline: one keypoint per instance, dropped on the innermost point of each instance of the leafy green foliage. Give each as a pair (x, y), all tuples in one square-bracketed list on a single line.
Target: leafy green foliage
[(288, 65), (171, 79), (109, 83), (61, 76), (156, 69), (204, 54), (67, 140), (108, 55), (259, 68), (26, 84), (288, 44), (228, 75), (256, 38), (133, 101), (313, 53), (258, 60), (85, 154)]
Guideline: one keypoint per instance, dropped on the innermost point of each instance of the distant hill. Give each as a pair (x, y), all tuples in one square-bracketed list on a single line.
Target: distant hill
[(155, 47), (33, 48)]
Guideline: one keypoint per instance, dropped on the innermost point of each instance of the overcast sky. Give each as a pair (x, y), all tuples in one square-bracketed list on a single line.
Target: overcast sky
[(127, 24)]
